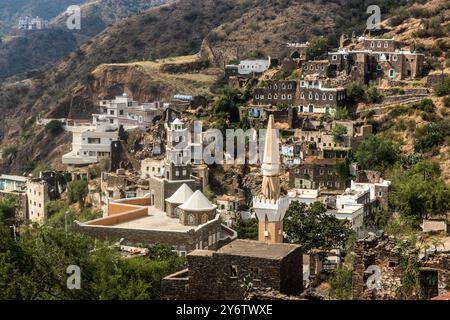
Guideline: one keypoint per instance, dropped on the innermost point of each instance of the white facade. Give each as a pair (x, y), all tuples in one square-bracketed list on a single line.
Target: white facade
[(152, 168), (307, 196), (90, 144), (247, 67), (123, 110)]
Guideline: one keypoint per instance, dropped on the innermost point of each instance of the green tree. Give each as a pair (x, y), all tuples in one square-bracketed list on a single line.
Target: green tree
[(419, 192), (377, 153), (355, 91), (317, 48), (341, 113), (55, 127), (372, 95), (428, 137), (247, 229), (442, 88), (343, 168), (8, 209), (338, 132), (341, 283), (312, 227), (77, 191)]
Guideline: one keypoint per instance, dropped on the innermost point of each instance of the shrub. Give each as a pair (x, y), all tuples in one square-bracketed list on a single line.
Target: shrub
[(443, 88), (446, 101), (54, 127)]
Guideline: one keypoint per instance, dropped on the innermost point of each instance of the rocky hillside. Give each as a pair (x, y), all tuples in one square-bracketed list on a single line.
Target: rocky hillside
[(69, 87)]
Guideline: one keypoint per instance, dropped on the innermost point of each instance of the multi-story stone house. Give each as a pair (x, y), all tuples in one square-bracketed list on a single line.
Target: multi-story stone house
[(314, 97), (253, 67), (124, 111), (320, 68), (276, 92), (372, 59), (315, 173)]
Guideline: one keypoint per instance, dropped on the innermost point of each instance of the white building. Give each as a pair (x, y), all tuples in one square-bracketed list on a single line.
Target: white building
[(247, 67), (123, 110), (152, 168), (90, 144), (359, 201), (307, 196), (28, 23)]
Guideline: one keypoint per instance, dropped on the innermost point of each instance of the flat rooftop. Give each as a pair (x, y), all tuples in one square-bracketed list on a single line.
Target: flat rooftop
[(156, 220), (258, 249)]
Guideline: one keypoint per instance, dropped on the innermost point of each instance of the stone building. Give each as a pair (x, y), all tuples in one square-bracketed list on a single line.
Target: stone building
[(37, 196), (314, 173), (314, 97), (384, 254), (275, 93), (177, 166), (219, 275), (319, 68), (192, 225)]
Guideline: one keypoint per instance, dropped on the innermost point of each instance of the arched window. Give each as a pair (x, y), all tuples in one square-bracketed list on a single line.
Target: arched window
[(191, 219), (205, 218), (331, 97)]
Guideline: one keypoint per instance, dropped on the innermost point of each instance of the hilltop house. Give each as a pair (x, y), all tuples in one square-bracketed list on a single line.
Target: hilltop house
[(90, 144), (124, 111)]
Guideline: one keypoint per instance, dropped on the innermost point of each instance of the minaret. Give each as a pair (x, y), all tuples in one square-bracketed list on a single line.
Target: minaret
[(269, 206)]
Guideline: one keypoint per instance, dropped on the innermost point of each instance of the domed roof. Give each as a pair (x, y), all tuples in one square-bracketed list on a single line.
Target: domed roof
[(197, 202), (181, 195)]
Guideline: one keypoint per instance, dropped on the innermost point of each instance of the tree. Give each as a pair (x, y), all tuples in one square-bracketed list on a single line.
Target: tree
[(419, 192), (343, 168), (77, 191), (354, 91), (55, 127), (341, 113), (427, 137), (247, 229), (8, 209), (377, 153), (442, 88), (312, 227), (372, 95), (316, 48), (341, 283), (338, 133)]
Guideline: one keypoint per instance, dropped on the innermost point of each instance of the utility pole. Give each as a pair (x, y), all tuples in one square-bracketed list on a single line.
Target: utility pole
[(14, 231), (65, 220)]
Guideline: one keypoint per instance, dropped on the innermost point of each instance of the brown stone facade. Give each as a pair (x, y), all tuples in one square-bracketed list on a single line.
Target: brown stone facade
[(161, 189), (316, 67), (314, 173), (384, 252), (276, 92), (219, 275)]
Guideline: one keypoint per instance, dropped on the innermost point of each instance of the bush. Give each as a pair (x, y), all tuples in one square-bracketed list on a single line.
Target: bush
[(354, 91), (428, 137), (372, 95), (443, 88), (55, 127), (377, 153), (426, 105), (446, 101), (316, 48)]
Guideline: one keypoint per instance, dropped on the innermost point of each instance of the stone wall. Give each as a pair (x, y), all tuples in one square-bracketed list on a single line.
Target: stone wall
[(219, 276)]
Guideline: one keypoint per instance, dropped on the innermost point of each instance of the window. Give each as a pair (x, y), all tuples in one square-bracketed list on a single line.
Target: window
[(94, 140), (302, 96), (121, 112), (289, 97), (378, 44), (386, 44), (394, 57), (324, 96), (331, 97), (233, 271), (191, 219), (283, 97), (334, 57), (391, 73), (372, 44), (379, 67), (111, 112), (316, 96), (283, 86), (177, 173), (275, 96)]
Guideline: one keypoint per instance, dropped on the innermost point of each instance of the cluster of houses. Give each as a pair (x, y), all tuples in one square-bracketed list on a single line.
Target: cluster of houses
[(29, 23), (166, 200)]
